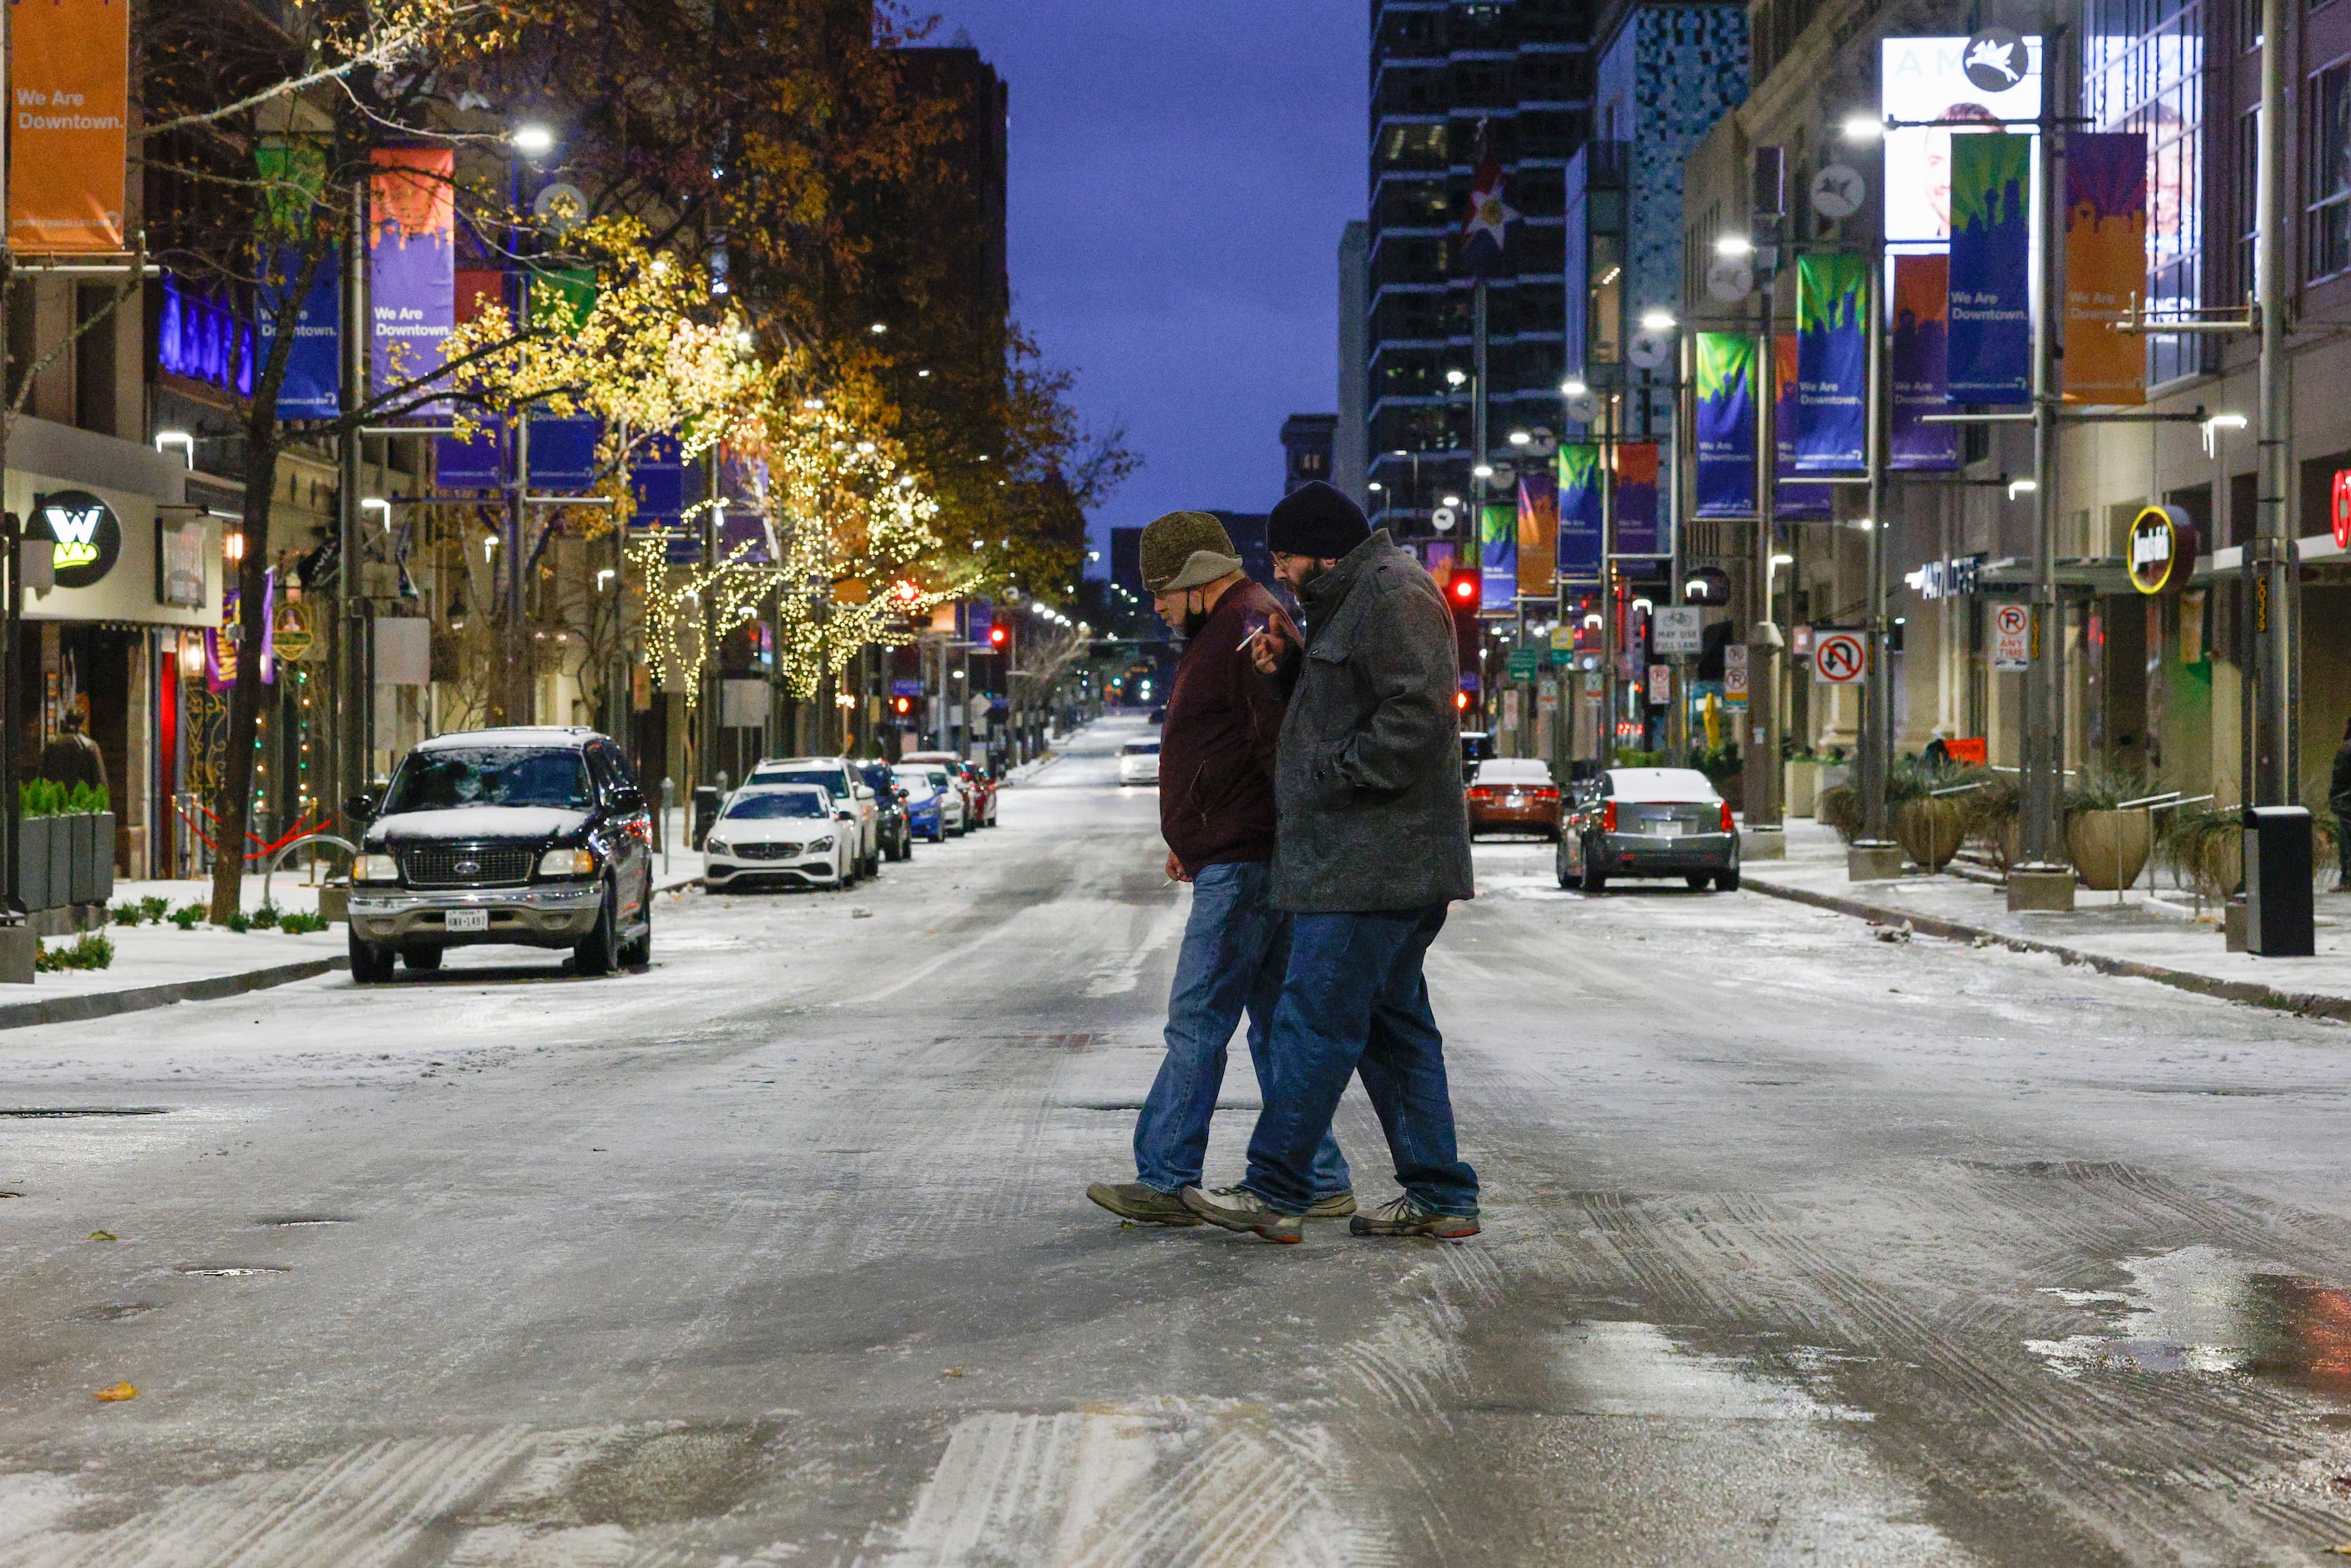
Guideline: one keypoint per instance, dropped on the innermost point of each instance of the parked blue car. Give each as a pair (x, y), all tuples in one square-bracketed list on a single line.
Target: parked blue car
[(927, 800)]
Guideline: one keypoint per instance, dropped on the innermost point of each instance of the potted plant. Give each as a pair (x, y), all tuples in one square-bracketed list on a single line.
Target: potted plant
[(1929, 826), (2109, 844), (2205, 844), (34, 809), (1992, 809)]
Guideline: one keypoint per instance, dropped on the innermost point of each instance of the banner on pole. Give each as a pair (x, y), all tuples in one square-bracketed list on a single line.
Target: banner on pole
[(1635, 512), (1580, 543), (1792, 501), (1497, 555), (1922, 287), (412, 262), (312, 386), (1725, 370), (657, 480), (2106, 265), (69, 97), (1538, 535), (1832, 363), (1991, 311)]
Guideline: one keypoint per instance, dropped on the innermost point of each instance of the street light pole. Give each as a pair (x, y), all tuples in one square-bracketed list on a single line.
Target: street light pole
[(1877, 693), (356, 727), (2270, 570), (1760, 788)]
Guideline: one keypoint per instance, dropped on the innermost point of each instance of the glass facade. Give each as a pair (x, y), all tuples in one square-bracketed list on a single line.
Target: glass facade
[(2143, 70)]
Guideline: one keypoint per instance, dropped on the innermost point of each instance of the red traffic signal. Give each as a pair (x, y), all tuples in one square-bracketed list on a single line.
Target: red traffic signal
[(905, 704), (1462, 590), (998, 636)]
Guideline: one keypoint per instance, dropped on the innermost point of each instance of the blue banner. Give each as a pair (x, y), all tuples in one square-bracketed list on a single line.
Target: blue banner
[(1725, 364), (1990, 325), (1497, 555), (657, 481), (1832, 363), (563, 453), (477, 465), (1579, 512), (312, 388)]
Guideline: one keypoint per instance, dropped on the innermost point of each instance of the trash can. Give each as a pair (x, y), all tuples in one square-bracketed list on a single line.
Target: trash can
[(2278, 913), (706, 812)]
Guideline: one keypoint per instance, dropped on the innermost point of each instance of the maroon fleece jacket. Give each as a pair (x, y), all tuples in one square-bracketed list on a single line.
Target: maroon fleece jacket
[(1216, 751)]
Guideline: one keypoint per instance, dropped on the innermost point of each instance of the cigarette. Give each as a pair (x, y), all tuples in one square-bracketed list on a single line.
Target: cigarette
[(1248, 640)]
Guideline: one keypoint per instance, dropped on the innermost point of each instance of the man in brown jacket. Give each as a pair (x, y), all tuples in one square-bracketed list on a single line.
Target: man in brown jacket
[(1217, 813)]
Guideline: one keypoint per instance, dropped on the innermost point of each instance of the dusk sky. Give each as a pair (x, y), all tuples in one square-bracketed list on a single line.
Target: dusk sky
[(1181, 170)]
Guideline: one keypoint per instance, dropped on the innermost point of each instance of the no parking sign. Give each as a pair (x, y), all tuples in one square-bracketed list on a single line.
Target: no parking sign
[(1840, 658)]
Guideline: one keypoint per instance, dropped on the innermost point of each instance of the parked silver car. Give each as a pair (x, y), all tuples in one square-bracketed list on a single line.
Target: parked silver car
[(1649, 821)]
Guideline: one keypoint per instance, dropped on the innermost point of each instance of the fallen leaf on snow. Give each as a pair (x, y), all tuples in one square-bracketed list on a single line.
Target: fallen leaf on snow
[(121, 1391), (952, 1371), (102, 1236)]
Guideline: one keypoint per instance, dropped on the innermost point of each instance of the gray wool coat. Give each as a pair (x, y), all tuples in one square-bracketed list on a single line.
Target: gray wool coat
[(1367, 778)]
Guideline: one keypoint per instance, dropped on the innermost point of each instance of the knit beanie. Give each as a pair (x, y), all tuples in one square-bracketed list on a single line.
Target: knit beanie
[(1315, 520)]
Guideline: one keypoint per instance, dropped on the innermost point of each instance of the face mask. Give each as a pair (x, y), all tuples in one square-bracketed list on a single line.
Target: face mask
[(1196, 620)]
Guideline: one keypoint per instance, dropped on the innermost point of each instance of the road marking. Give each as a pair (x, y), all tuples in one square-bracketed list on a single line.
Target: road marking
[(922, 972), (1123, 975), (1160, 1480)]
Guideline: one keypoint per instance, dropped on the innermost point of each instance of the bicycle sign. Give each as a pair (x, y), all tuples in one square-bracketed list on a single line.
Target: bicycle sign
[(1840, 658)]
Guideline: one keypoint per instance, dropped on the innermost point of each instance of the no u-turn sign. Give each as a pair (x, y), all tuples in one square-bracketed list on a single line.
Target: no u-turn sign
[(1840, 658)]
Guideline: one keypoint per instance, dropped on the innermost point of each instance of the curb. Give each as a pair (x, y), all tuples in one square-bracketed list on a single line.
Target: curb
[(2304, 1004), (106, 1004)]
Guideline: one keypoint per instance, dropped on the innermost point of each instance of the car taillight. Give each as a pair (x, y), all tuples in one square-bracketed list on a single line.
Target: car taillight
[(1481, 794), (1727, 825), (1546, 794), (1608, 818)]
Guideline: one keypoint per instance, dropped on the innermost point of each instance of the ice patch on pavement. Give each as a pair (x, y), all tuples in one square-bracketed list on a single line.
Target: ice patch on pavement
[(2187, 1311), (1636, 1369), (1150, 1482)]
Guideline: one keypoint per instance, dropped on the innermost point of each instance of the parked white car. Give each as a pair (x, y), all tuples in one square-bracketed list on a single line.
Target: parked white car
[(788, 835), (1138, 762), (842, 779)]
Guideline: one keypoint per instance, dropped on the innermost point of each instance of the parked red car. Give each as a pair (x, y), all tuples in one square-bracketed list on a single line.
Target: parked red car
[(1514, 795)]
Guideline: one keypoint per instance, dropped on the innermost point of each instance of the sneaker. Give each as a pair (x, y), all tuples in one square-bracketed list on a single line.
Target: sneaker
[(1238, 1208), (1143, 1204), (1406, 1217), (1338, 1205)]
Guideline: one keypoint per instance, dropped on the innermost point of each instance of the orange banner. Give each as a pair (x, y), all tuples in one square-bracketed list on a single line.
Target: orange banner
[(2105, 267), (69, 97)]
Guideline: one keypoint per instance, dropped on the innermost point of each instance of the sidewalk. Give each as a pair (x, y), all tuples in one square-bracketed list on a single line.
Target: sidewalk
[(2154, 940), (157, 965)]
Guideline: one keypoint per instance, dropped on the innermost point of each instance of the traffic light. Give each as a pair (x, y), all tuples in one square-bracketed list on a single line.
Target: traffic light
[(1000, 637), (906, 706), (1464, 595)]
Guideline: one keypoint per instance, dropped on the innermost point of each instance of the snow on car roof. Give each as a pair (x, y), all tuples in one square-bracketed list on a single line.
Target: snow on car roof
[(1514, 771), (1660, 784), (511, 735)]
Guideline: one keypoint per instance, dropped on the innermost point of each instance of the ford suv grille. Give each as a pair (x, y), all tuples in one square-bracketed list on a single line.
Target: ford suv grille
[(463, 865)]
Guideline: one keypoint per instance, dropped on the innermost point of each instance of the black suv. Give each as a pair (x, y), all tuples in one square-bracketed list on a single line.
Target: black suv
[(536, 837)]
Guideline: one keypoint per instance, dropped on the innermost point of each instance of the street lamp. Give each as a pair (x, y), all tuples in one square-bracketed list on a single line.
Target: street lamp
[(187, 443), (378, 503), (2211, 428), (1734, 247), (1572, 387), (1454, 378), (1657, 321), (1519, 438), (1863, 129), (532, 140)]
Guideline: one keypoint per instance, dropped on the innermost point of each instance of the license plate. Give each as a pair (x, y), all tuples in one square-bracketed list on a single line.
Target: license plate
[(1667, 830), (465, 920), (1515, 801)]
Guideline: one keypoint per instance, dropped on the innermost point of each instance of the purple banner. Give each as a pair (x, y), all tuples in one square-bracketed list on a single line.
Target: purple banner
[(1635, 511), (1793, 500), (1726, 425), (1922, 288), (312, 388), (411, 265)]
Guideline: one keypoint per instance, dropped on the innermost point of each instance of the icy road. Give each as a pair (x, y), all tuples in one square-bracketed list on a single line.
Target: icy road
[(1800, 1248)]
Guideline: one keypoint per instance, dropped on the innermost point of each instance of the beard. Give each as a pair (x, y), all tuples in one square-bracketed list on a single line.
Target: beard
[(1309, 573)]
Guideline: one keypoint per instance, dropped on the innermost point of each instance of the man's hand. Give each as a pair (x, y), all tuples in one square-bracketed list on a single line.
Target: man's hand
[(1270, 648), (1176, 871)]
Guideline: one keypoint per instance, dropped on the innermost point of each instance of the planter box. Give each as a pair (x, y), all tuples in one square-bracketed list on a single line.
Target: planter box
[(1930, 830), (1804, 785), (62, 861), (33, 861), (2109, 848)]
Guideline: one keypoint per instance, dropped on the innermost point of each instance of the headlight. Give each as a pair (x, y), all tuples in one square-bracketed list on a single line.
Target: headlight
[(816, 844), (568, 863), (375, 868), (717, 846)]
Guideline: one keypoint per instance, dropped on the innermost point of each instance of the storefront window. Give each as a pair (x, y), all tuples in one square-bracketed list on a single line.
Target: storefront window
[(2326, 237)]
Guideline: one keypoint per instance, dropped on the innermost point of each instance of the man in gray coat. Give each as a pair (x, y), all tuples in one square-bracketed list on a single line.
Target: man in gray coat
[(1371, 842)]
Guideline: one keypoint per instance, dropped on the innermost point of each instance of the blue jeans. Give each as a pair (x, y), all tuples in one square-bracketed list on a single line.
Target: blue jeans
[(1236, 950), (1355, 1001)]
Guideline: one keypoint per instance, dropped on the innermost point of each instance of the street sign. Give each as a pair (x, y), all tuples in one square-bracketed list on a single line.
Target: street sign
[(1729, 280), (1734, 672), (1677, 629), (1996, 59), (1840, 658), (1522, 663), (905, 689), (1837, 190), (1661, 684), (1443, 519), (1582, 407), (2162, 546), (2012, 637), (1648, 351)]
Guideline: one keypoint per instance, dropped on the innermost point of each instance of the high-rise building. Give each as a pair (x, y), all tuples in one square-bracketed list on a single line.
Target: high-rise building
[(1448, 78), (1350, 444), (1306, 441)]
